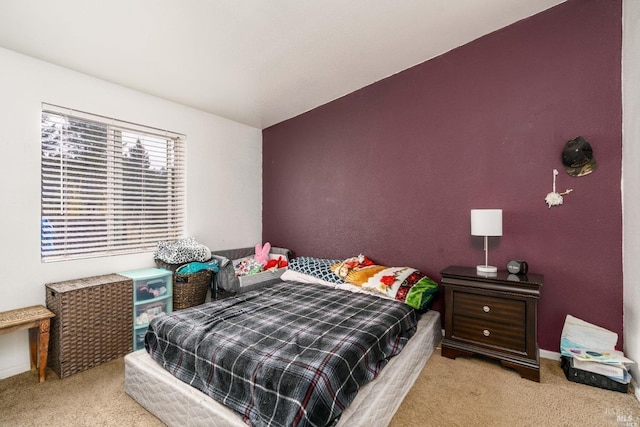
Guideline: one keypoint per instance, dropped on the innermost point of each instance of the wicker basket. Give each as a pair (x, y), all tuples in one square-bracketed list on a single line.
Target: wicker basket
[(188, 289), (92, 324)]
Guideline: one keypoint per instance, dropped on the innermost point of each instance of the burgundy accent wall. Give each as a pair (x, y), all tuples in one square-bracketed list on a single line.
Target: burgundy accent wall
[(392, 170)]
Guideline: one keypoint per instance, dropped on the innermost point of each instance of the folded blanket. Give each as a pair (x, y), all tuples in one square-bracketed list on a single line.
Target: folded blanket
[(194, 267), (182, 251), (404, 284)]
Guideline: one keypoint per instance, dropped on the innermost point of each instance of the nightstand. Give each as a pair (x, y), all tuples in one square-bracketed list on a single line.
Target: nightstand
[(493, 315)]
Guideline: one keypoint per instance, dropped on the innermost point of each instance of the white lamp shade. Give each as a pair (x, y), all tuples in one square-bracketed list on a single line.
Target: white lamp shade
[(486, 222)]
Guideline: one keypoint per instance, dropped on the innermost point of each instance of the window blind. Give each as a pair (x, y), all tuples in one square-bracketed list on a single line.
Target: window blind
[(108, 187)]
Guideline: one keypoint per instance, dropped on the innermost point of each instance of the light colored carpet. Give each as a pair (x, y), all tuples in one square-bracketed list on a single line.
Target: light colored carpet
[(461, 392), (91, 398), (481, 392)]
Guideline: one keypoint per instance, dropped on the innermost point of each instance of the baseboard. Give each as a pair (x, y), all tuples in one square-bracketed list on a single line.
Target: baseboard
[(553, 355), (15, 370)]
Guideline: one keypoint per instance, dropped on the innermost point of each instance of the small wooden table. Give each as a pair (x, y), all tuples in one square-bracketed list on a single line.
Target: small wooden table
[(36, 319)]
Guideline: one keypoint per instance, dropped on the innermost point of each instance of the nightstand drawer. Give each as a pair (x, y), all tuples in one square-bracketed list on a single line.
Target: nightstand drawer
[(502, 335), (502, 310)]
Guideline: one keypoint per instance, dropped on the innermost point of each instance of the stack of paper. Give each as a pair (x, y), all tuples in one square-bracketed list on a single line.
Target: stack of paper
[(592, 349)]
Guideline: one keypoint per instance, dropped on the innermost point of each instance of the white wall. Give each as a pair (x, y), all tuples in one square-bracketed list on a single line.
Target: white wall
[(631, 181), (224, 180)]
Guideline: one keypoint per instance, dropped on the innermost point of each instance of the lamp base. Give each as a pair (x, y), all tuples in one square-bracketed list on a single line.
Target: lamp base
[(486, 269)]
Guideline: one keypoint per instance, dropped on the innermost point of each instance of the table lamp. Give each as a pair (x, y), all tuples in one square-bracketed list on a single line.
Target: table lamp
[(486, 222)]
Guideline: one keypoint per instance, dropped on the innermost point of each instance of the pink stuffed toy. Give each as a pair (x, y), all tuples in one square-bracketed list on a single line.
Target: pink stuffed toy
[(262, 253)]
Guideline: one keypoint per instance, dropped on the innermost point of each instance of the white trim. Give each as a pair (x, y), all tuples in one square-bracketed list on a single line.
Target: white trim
[(15, 370), (552, 355)]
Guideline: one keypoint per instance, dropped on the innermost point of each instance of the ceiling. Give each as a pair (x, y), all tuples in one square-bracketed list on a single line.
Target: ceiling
[(257, 62)]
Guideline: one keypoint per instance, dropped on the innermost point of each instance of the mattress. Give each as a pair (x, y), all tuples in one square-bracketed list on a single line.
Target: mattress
[(178, 404)]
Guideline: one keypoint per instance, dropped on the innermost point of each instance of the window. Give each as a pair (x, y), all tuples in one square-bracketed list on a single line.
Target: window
[(108, 187)]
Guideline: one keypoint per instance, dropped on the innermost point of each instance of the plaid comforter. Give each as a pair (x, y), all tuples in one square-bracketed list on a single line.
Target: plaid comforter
[(289, 355)]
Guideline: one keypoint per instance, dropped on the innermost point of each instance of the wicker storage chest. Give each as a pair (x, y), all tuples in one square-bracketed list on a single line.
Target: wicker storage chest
[(92, 324)]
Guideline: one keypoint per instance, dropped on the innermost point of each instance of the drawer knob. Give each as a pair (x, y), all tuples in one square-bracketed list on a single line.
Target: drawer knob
[(486, 332), (486, 309)]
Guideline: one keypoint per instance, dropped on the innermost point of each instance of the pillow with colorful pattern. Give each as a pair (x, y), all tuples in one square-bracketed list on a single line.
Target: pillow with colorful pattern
[(404, 284)]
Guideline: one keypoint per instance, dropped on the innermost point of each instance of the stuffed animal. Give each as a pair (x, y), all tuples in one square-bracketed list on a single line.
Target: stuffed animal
[(276, 263), (262, 253)]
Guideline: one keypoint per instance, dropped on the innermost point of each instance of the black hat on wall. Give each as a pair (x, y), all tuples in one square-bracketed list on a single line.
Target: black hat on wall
[(577, 157)]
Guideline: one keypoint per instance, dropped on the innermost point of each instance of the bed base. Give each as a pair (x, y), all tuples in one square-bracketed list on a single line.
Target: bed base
[(178, 404)]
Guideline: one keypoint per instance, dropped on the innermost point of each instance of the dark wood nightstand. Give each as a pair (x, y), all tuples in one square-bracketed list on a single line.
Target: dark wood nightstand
[(494, 315)]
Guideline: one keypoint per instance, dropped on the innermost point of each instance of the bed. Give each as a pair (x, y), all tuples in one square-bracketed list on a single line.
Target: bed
[(198, 384)]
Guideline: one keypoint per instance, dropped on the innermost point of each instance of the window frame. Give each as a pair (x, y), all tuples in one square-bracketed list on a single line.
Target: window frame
[(102, 194)]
